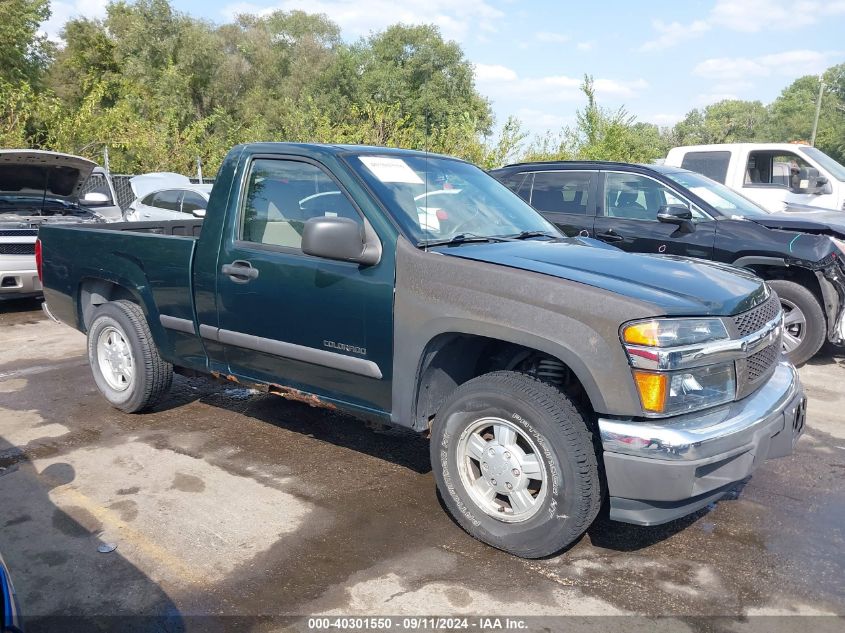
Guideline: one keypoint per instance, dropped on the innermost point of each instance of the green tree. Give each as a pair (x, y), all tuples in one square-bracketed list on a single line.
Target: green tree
[(727, 121), (24, 54)]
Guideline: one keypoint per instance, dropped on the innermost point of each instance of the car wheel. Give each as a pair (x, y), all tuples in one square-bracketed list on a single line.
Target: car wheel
[(126, 364), (515, 464), (804, 322)]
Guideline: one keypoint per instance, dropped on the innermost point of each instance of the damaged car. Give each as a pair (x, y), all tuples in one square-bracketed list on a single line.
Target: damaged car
[(36, 188), (657, 209)]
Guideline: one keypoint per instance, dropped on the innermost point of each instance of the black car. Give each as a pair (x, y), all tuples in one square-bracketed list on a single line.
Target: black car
[(657, 209)]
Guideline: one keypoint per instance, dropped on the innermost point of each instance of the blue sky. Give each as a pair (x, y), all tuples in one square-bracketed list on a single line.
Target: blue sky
[(660, 59)]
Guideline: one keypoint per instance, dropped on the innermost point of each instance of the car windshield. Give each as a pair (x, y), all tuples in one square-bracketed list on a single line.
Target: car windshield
[(717, 195), (437, 199), (837, 170)]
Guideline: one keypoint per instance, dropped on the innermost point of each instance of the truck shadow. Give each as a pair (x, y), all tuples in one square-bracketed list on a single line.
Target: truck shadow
[(828, 355), (399, 446), (63, 583)]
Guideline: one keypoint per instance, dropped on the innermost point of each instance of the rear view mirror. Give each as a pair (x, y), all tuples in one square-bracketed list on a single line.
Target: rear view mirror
[(199, 213), (338, 238), (677, 214), (810, 181)]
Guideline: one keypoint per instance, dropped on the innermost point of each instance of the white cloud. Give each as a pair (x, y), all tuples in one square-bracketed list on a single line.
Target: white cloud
[(751, 16), (540, 120), (788, 64), (62, 11), (585, 46), (673, 33), (663, 119), (494, 72), (555, 38), (502, 82), (712, 97), (360, 17)]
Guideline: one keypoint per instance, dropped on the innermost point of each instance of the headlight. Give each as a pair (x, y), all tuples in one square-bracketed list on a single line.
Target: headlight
[(674, 332), (670, 393)]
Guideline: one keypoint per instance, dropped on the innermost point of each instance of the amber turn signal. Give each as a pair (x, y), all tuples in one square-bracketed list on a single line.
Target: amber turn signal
[(644, 333), (652, 388)]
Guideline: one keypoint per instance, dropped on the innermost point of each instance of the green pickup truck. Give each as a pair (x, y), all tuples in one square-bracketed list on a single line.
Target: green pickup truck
[(553, 374)]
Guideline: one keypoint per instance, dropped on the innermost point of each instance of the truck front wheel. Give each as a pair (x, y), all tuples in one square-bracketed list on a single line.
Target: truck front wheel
[(124, 360), (515, 464)]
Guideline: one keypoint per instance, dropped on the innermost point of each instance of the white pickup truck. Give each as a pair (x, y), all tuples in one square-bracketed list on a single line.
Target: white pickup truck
[(774, 175)]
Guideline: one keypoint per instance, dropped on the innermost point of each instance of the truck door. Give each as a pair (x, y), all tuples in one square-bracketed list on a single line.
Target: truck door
[(773, 178), (320, 326), (628, 218)]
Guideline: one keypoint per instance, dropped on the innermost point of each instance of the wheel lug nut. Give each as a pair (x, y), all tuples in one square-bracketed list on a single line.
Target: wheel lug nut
[(492, 451), (515, 472), (509, 485), (484, 465), (493, 481), (507, 455)]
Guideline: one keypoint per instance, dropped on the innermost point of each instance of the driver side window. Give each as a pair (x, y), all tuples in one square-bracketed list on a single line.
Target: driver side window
[(282, 195), (635, 197)]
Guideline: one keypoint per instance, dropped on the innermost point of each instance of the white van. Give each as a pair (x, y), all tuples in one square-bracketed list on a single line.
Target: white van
[(774, 175)]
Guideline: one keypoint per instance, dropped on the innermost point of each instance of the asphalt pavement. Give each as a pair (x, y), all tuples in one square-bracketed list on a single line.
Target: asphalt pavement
[(237, 510)]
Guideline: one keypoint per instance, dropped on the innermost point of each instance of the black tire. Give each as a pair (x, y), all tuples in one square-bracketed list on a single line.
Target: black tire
[(558, 429), (151, 377), (813, 333)]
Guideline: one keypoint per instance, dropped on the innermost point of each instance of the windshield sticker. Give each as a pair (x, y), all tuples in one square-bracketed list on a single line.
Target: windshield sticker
[(391, 169)]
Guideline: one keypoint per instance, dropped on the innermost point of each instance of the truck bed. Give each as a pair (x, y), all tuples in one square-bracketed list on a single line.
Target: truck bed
[(189, 227), (152, 258)]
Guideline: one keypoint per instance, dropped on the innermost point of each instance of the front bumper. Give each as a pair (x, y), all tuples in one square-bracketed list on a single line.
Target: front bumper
[(660, 471)]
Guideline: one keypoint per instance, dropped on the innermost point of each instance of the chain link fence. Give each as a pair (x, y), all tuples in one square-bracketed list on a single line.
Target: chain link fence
[(122, 189)]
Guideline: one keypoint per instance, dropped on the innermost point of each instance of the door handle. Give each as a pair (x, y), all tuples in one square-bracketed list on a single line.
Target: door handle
[(610, 236), (240, 271)]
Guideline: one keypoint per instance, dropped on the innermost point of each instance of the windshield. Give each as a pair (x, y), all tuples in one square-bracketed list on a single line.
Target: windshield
[(836, 170), (437, 199), (718, 196)]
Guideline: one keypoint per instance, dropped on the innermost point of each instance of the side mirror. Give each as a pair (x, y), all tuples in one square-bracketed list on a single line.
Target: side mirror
[(677, 214), (338, 238), (95, 197), (199, 213)]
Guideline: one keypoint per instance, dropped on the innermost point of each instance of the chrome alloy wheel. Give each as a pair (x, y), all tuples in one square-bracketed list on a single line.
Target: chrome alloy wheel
[(794, 325), (502, 469), (114, 357)]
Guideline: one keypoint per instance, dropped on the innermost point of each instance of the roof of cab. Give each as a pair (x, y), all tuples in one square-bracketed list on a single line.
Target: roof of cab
[(590, 164), (329, 149)]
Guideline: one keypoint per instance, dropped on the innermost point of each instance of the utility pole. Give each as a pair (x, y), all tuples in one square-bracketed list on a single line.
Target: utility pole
[(818, 111)]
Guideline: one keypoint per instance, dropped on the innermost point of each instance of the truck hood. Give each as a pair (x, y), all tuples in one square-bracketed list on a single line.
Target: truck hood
[(806, 220), (30, 171), (675, 285)]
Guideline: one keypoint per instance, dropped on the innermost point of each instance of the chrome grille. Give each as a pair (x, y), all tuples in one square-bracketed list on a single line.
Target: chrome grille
[(18, 232), (753, 320), (18, 249)]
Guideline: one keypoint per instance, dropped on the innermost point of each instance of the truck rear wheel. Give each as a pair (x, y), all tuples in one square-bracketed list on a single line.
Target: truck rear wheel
[(124, 360), (804, 322), (515, 464)]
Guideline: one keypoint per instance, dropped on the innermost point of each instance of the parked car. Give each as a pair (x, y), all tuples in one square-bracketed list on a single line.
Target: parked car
[(774, 175), (659, 209), (36, 188), (317, 278), (166, 196), (10, 619), (100, 196)]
